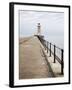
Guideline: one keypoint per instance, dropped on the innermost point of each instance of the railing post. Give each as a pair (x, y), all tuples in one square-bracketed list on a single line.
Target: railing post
[(54, 53), (47, 47), (50, 49), (42, 41), (61, 61), (45, 44)]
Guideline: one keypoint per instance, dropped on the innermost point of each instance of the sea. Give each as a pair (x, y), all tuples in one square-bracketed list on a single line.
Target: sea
[(58, 42)]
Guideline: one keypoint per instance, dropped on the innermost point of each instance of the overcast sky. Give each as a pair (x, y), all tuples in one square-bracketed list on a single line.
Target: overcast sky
[(52, 24)]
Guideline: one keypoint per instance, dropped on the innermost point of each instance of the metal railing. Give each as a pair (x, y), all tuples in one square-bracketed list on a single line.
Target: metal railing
[(51, 49)]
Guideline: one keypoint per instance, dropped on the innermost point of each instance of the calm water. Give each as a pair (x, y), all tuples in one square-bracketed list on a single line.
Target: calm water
[(58, 41)]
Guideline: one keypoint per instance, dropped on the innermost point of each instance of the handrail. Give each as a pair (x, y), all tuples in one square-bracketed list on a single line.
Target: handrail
[(46, 44)]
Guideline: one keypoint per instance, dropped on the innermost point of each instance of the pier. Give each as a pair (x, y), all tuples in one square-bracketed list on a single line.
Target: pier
[(37, 59), (35, 62)]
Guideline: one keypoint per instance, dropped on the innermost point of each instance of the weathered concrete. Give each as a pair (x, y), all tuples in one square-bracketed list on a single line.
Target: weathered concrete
[(32, 61)]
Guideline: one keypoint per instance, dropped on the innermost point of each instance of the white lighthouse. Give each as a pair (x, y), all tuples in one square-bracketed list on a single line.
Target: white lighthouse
[(39, 29)]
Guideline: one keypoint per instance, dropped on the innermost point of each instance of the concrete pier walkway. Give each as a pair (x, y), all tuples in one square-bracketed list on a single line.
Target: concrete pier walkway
[(32, 61)]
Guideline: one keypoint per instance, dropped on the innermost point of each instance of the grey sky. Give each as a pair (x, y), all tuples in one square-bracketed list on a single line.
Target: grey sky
[(52, 24)]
